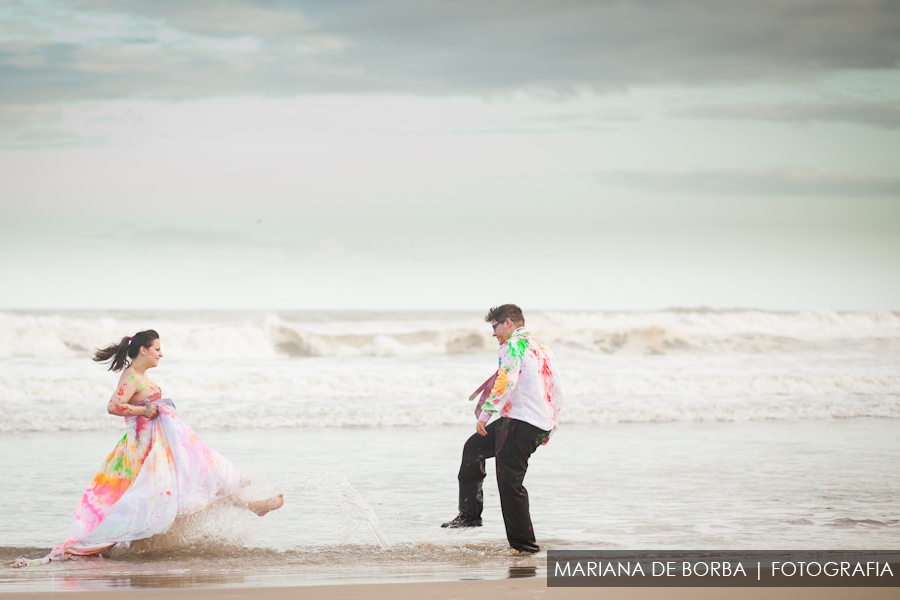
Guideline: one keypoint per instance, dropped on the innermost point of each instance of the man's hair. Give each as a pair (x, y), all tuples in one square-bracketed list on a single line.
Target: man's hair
[(498, 314)]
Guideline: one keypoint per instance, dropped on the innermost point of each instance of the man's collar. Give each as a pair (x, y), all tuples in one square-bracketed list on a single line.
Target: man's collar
[(518, 333)]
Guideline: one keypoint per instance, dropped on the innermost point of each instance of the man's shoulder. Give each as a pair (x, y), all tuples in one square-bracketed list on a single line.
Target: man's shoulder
[(518, 343), (530, 339), (541, 349), (522, 341)]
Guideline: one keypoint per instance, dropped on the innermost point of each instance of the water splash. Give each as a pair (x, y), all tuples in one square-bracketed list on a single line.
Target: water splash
[(353, 507), (219, 530), (354, 512)]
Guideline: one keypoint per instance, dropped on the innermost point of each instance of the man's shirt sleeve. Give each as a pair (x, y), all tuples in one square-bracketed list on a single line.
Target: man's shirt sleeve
[(558, 395), (507, 376)]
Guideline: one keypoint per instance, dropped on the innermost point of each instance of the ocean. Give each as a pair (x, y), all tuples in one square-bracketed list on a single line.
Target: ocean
[(682, 429)]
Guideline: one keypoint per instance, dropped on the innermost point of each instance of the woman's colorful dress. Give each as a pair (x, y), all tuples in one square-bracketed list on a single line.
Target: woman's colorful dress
[(160, 470)]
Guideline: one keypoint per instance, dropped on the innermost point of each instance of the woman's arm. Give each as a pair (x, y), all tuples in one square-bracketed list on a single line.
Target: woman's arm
[(118, 404)]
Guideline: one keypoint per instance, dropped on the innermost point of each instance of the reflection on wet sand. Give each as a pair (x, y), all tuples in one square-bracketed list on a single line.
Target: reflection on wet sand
[(518, 571), (198, 567), (77, 583)]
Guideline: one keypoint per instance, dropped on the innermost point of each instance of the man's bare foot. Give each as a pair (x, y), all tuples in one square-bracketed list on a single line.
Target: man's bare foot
[(261, 507), (20, 562)]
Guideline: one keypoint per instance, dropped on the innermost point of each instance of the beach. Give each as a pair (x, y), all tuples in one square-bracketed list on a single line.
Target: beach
[(476, 590), (296, 229), (682, 430)]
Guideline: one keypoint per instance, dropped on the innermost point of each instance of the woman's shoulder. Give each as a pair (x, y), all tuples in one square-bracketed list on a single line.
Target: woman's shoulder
[(127, 376)]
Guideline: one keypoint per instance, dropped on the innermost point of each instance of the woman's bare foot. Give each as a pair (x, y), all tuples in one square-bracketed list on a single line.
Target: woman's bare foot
[(261, 507), (24, 562)]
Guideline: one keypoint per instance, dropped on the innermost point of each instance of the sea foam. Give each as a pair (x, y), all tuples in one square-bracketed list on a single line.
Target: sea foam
[(270, 370), (307, 334)]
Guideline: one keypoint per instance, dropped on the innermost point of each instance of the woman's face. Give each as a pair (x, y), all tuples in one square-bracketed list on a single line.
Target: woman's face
[(152, 354)]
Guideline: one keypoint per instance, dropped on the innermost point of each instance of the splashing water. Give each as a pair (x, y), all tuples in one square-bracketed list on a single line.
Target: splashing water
[(351, 507), (220, 530)]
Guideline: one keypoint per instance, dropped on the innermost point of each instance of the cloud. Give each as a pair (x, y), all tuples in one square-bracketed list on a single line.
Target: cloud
[(100, 49), (884, 115), (226, 19), (551, 123), (776, 181), (36, 126), (194, 238)]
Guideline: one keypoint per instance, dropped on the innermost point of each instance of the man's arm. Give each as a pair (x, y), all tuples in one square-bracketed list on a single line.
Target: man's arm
[(556, 391), (487, 385), (485, 389), (506, 378)]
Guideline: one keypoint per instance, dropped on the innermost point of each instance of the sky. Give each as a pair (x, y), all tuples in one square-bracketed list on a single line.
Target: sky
[(397, 155)]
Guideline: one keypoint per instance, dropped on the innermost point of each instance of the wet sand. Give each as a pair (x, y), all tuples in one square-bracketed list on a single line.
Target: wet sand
[(535, 588)]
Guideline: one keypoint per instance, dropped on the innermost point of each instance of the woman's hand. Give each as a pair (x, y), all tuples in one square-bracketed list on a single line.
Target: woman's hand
[(119, 405)]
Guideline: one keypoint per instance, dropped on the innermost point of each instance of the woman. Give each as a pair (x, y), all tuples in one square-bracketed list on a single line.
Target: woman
[(160, 469)]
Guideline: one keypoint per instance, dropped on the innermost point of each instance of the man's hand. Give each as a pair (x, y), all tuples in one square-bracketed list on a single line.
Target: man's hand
[(479, 428)]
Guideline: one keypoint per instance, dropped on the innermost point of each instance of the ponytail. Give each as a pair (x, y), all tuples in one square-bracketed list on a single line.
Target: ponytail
[(118, 355)]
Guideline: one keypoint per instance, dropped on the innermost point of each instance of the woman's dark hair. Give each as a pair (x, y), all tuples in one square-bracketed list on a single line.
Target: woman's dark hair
[(119, 355)]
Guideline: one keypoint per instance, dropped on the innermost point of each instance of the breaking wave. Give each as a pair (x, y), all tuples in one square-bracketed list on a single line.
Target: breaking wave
[(273, 335), (268, 370)]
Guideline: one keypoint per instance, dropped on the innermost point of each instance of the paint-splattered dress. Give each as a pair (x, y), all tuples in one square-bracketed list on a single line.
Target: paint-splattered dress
[(159, 470)]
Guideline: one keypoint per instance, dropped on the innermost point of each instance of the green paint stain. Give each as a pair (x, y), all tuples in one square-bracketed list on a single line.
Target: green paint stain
[(518, 347), (119, 464)]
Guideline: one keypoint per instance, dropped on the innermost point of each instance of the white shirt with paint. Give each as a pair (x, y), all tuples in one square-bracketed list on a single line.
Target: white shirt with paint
[(528, 386)]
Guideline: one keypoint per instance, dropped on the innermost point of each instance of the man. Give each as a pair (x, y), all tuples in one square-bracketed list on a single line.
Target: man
[(527, 392)]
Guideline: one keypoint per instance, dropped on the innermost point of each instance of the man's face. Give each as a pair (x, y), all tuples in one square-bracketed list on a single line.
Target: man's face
[(503, 329)]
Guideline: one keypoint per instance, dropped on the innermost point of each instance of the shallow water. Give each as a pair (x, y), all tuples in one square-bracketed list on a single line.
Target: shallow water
[(365, 504)]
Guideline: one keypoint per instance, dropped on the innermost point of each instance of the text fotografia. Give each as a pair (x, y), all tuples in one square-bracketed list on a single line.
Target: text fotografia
[(732, 568), (715, 568)]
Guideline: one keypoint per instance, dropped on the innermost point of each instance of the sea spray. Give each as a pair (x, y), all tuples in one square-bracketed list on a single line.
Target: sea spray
[(223, 529), (352, 511), (353, 507)]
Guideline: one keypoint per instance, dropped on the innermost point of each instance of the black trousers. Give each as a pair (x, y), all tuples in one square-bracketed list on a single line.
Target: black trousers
[(512, 442)]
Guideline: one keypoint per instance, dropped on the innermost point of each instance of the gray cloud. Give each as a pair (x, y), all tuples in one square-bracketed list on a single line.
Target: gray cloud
[(876, 114), (778, 181), (580, 122), (33, 126), (194, 238), (184, 49)]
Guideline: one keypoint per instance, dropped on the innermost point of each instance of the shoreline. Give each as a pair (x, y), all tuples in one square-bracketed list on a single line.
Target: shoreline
[(531, 587)]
